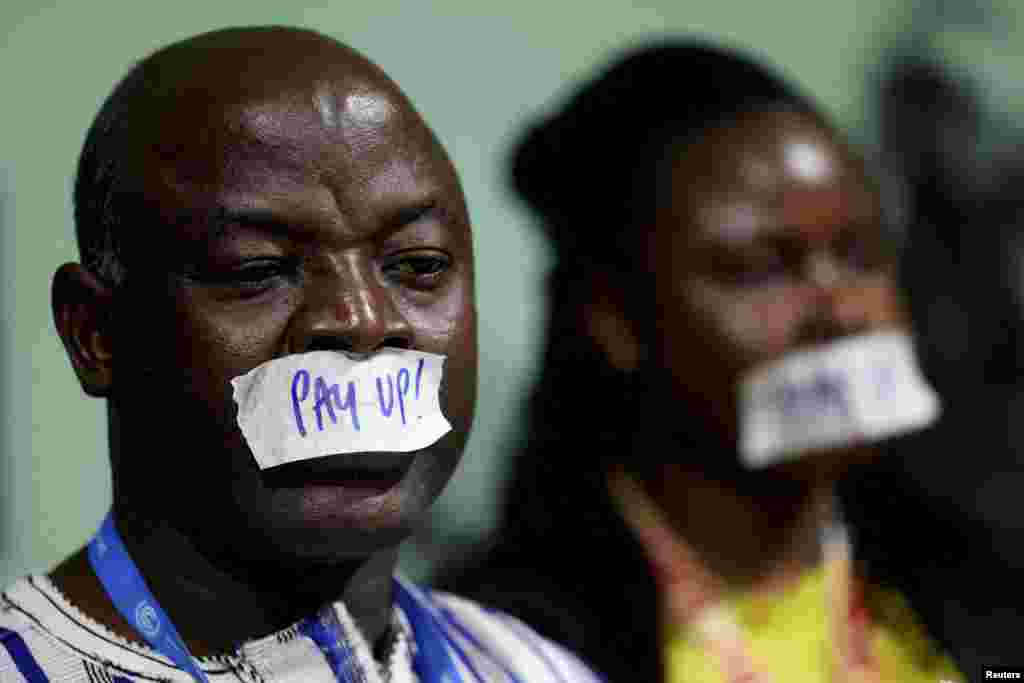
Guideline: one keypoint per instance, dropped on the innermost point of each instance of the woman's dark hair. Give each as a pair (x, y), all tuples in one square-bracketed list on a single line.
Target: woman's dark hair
[(594, 172)]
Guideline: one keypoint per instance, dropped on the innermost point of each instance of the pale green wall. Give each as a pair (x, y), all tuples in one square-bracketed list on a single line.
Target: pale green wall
[(474, 70)]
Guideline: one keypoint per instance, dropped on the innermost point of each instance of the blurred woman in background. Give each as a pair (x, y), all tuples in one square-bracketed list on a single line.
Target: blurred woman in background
[(708, 220)]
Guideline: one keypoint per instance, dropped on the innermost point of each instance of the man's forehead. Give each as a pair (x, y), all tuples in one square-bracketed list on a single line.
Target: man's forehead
[(338, 97), (323, 112), (330, 113), (250, 57), (354, 107), (261, 76)]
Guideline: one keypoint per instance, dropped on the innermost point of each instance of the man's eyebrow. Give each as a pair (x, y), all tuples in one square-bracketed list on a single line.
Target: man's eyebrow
[(223, 217), (411, 213)]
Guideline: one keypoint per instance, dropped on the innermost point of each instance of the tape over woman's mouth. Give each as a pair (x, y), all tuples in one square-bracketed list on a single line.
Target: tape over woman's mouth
[(856, 390)]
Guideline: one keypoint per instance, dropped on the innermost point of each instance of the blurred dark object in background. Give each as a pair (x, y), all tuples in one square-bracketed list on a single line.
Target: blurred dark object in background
[(961, 206), (950, 146)]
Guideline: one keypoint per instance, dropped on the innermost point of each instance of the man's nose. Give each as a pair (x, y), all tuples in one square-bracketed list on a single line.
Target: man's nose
[(349, 308)]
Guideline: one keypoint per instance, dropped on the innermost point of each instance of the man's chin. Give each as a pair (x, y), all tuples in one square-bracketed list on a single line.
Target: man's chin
[(283, 545), (331, 519)]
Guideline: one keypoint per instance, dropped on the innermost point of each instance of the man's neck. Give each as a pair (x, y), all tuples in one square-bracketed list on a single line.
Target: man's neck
[(215, 610)]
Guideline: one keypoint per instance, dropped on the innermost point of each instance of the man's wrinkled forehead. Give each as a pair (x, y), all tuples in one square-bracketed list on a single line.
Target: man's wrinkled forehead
[(250, 117), (356, 108), (326, 126), (274, 116)]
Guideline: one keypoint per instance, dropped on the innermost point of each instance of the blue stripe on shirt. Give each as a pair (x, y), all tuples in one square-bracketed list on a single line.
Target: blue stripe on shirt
[(460, 629), (530, 641), (23, 659)]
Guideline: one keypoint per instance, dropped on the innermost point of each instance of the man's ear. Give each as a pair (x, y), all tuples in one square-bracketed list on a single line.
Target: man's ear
[(611, 329), (83, 311)]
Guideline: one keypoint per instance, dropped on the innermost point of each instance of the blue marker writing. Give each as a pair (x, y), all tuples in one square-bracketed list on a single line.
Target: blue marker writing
[(825, 393), (885, 381), (296, 399), (419, 376), (402, 384), (402, 391), (386, 410), (326, 398), (324, 395)]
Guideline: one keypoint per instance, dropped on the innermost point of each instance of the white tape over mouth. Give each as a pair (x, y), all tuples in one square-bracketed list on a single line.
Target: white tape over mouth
[(321, 403), (856, 390)]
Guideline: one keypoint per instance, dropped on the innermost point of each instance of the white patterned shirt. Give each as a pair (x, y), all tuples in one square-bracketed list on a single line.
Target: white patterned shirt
[(43, 637)]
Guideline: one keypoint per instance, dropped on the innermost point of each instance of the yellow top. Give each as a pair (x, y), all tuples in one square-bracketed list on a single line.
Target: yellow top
[(787, 634)]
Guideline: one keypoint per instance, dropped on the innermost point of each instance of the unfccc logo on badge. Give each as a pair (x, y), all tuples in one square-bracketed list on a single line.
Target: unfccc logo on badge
[(147, 619)]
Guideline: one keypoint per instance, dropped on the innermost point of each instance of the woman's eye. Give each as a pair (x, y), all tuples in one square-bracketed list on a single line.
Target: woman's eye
[(763, 273), (863, 249), (753, 269), (418, 270), (861, 255)]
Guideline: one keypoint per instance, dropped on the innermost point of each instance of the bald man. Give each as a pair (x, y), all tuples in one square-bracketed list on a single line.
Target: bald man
[(249, 199)]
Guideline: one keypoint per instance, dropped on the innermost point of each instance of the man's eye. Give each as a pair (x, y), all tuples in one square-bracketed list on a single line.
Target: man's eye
[(258, 272), (418, 269), (251, 277)]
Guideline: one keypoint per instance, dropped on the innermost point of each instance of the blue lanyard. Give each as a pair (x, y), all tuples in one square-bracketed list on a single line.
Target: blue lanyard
[(132, 598)]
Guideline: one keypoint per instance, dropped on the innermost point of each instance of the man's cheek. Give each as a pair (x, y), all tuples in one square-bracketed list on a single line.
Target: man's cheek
[(442, 327), (458, 391), (220, 349)]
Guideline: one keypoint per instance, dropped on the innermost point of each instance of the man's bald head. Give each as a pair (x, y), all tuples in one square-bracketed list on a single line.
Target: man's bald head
[(189, 83)]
